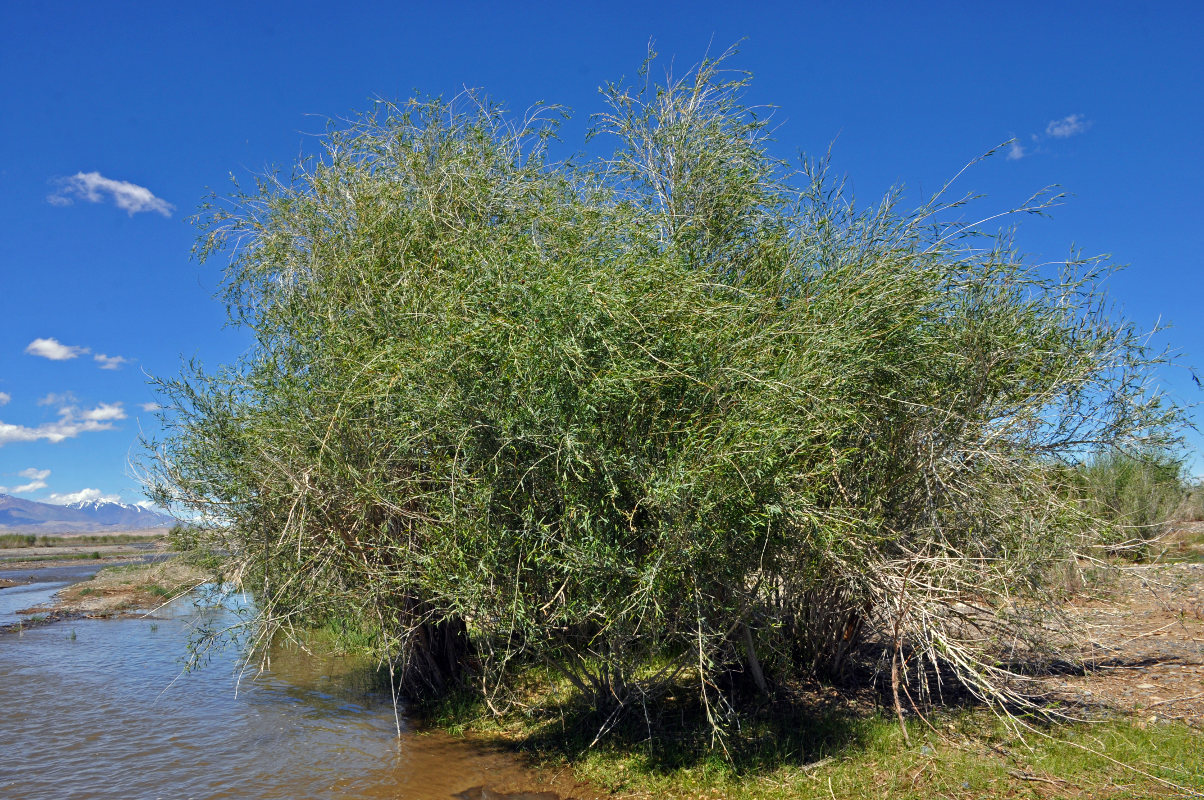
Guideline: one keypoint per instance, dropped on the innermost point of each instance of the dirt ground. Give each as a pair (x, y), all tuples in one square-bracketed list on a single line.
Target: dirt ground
[(1147, 633), (119, 588), (141, 586)]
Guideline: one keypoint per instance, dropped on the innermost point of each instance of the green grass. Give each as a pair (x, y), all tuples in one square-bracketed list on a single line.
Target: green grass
[(1181, 547), (9, 541), (833, 749), (1192, 508), (56, 557), (123, 569)]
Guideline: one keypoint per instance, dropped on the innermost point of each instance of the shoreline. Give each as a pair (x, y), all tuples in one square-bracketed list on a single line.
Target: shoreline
[(1149, 624), (122, 585)]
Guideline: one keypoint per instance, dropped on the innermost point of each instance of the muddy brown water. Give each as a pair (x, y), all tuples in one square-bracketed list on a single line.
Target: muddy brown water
[(103, 709)]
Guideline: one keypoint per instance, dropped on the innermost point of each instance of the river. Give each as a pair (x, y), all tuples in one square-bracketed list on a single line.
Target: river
[(103, 709)]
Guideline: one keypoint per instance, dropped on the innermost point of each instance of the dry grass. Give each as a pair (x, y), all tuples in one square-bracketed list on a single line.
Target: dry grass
[(125, 588)]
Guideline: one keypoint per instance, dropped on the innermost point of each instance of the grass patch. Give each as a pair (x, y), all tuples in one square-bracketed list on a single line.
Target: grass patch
[(126, 586), (93, 556), (345, 635), (824, 747), (122, 570), (1180, 546), (10, 541)]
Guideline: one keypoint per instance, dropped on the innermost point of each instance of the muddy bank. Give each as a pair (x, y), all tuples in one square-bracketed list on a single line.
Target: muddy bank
[(124, 588), (49, 593)]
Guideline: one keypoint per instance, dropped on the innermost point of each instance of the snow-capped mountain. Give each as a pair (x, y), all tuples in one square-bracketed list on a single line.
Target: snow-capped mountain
[(90, 516), (109, 513)]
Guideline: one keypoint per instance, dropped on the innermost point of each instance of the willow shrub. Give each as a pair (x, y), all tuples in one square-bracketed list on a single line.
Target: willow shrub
[(644, 420), (1134, 495)]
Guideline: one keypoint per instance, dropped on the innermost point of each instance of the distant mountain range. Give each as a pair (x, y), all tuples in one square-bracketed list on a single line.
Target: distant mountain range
[(94, 516)]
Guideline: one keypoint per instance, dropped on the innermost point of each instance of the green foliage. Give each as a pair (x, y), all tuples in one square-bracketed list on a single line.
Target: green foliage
[(195, 547), (1192, 507), (1134, 495), (14, 540), (661, 415)]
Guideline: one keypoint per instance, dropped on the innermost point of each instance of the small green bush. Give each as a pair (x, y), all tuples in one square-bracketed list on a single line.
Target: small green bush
[(1134, 495), (1192, 507)]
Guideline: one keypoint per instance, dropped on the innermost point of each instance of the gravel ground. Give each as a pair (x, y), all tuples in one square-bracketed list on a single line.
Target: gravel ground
[(1147, 649)]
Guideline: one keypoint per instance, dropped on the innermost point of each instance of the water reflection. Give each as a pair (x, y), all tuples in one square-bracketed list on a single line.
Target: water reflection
[(103, 709)]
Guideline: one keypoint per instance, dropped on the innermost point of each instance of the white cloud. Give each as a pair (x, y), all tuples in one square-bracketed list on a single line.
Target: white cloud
[(4, 398), (82, 496), (150, 406), (1063, 128), (103, 413), (37, 480), (53, 399), (54, 349), (32, 486), (1067, 126), (92, 187), (110, 362), (71, 423)]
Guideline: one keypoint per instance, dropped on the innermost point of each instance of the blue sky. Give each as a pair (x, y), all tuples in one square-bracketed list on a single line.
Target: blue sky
[(118, 117)]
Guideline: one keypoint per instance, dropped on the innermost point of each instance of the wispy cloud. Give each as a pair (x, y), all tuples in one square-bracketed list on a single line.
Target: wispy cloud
[(58, 399), (32, 486), (102, 413), (150, 406), (5, 397), (94, 188), (1067, 126), (37, 480), (72, 422), (57, 351), (54, 349), (1063, 128), (82, 496), (110, 362)]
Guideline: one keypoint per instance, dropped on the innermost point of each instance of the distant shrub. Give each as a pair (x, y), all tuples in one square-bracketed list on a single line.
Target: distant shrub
[(1192, 507), (1134, 494)]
